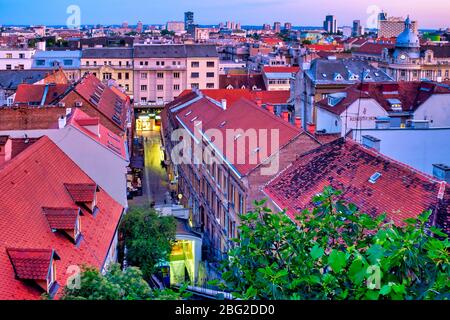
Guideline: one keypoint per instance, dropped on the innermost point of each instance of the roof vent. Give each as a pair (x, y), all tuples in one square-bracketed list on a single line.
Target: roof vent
[(374, 178), (441, 172), (371, 142)]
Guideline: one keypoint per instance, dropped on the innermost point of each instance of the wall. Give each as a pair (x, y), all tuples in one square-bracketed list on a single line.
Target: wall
[(419, 148), (435, 109)]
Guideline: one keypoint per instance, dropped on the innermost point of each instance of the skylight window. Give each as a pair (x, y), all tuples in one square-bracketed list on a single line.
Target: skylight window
[(222, 124), (374, 178), (188, 113), (194, 118)]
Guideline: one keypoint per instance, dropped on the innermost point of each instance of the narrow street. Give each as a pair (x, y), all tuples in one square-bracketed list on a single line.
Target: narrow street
[(155, 182)]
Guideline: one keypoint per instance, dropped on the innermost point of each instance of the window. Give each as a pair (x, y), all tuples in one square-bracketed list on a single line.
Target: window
[(9, 56), (95, 63), (21, 55), (160, 87), (107, 76), (195, 64), (241, 204), (40, 62), (143, 87), (119, 76), (210, 85), (127, 87), (87, 63), (105, 63), (210, 74), (163, 63), (174, 63), (127, 76), (194, 86), (51, 277), (141, 63), (68, 62), (8, 67), (195, 75), (21, 67), (176, 87), (160, 75), (144, 99), (146, 63), (144, 76), (176, 75), (158, 63), (210, 64)]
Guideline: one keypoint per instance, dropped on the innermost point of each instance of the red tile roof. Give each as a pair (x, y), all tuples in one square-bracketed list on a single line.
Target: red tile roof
[(61, 218), (411, 95), (401, 192), (281, 69), (241, 114), (33, 94), (81, 192), (104, 99), (106, 137), (30, 264), (374, 48), (35, 179)]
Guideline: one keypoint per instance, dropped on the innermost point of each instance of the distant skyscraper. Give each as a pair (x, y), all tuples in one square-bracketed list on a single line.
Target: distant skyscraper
[(188, 19), (391, 27), (238, 26), (125, 25), (287, 26), (229, 24), (357, 29), (277, 27), (266, 27), (330, 24), (140, 27)]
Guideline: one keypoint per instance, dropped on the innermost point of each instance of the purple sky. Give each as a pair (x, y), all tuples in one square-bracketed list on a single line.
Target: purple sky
[(429, 13)]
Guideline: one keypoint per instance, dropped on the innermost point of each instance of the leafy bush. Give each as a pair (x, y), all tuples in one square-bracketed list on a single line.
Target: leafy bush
[(336, 252)]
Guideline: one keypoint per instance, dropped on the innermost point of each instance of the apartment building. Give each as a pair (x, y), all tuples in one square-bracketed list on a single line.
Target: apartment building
[(218, 191), (110, 64), (68, 61), (16, 59), (162, 72)]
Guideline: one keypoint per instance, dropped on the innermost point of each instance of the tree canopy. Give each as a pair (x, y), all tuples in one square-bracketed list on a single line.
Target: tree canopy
[(148, 238), (335, 252), (116, 285)]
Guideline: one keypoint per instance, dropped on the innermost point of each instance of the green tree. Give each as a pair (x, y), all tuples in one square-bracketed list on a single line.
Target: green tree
[(336, 252), (117, 285), (166, 32), (148, 238)]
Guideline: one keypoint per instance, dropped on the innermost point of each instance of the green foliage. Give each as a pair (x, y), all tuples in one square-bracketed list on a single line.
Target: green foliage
[(166, 32), (148, 238), (335, 252), (117, 285)]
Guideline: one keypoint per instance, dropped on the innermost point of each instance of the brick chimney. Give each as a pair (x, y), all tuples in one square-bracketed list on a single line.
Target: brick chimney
[(311, 127), (5, 149), (270, 108), (259, 102), (285, 116), (298, 122)]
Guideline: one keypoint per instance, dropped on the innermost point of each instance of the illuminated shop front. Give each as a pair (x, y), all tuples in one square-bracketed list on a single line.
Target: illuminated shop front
[(148, 122), (186, 255)]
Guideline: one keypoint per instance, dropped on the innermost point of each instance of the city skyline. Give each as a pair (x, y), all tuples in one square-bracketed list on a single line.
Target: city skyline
[(251, 12)]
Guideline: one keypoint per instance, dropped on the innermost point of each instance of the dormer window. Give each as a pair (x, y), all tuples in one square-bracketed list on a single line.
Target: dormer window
[(395, 104), (65, 220), (35, 266), (84, 194), (338, 77)]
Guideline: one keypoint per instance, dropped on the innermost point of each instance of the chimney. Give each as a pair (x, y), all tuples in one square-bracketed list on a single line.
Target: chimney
[(441, 172), (285, 115), (311, 127), (62, 122), (224, 104), (5, 149), (298, 122), (270, 108), (371, 142), (259, 102)]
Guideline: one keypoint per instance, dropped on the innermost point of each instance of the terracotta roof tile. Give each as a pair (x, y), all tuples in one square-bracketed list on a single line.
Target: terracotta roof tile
[(30, 264)]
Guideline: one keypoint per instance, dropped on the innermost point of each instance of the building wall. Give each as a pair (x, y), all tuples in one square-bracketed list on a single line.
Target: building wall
[(120, 70), (11, 59), (392, 28), (436, 109), (148, 80), (418, 148), (30, 118), (208, 77)]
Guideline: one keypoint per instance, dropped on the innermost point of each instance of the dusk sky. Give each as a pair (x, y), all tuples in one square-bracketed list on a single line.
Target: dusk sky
[(430, 13)]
